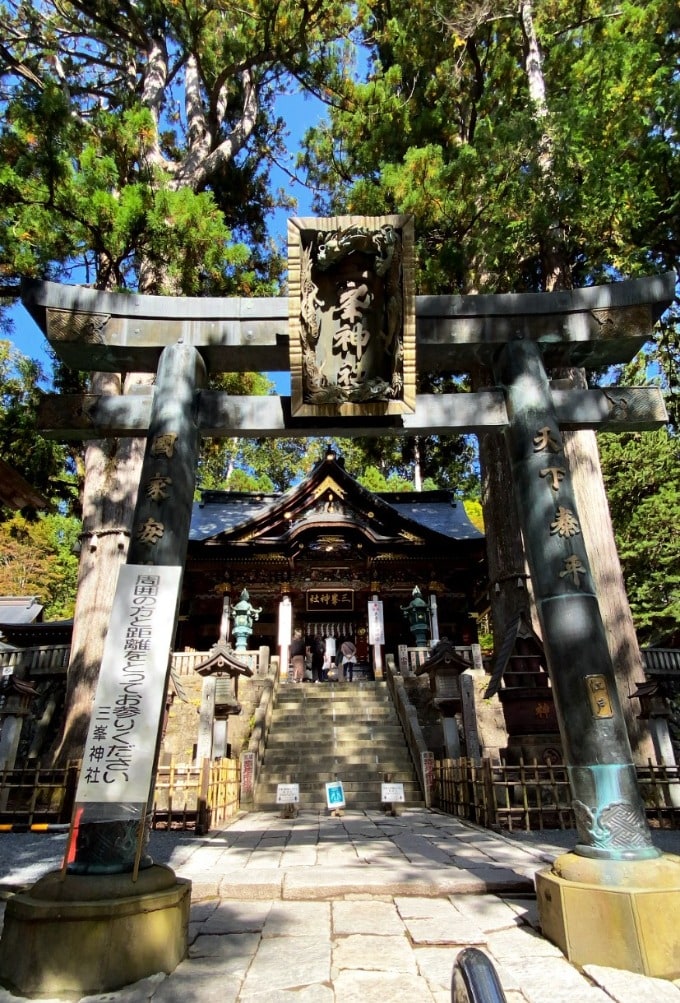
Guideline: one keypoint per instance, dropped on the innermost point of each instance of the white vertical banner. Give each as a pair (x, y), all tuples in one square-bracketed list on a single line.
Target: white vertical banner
[(126, 716), (376, 624), (285, 622)]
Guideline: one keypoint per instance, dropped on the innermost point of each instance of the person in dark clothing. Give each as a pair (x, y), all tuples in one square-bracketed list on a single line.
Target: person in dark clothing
[(349, 654), (318, 651)]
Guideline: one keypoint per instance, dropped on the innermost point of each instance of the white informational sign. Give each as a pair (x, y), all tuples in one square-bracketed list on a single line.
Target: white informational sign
[(7, 670), (376, 624), (335, 794), (288, 794), (285, 622), (121, 741), (392, 792)]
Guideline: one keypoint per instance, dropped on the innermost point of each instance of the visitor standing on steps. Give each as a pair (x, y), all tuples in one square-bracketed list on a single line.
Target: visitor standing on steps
[(297, 656), (349, 655), (318, 652)]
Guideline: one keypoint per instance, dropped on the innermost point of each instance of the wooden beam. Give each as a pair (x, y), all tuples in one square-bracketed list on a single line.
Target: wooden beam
[(114, 332), (81, 417)]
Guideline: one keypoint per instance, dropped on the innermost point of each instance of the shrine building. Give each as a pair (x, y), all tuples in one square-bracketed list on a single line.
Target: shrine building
[(330, 546)]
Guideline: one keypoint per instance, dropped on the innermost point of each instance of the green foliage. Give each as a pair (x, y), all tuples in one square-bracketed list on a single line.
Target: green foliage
[(444, 127), (642, 477), (42, 462), (137, 140), (373, 480), (38, 558)]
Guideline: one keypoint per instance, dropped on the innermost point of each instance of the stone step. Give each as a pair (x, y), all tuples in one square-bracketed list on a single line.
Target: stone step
[(381, 764), (380, 707), (334, 731), (321, 734)]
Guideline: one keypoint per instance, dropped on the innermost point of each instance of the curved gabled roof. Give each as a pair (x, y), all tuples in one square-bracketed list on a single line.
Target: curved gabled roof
[(233, 515)]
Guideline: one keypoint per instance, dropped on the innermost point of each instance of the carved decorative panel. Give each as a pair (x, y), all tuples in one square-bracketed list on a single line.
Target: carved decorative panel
[(352, 315)]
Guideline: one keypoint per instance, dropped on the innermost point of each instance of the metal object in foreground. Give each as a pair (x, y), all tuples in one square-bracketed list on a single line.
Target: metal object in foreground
[(474, 979)]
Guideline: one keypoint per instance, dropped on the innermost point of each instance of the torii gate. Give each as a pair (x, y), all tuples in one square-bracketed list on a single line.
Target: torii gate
[(517, 336)]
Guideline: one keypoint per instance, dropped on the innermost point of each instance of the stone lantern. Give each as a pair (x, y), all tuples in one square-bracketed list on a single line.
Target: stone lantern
[(245, 615), (452, 691), (418, 618)]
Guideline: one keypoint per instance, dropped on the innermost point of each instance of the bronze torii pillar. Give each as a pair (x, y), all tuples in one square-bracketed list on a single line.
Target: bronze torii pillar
[(518, 335), (609, 813)]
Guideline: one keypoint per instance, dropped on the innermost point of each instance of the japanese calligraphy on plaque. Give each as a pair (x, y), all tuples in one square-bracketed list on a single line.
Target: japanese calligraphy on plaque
[(352, 315), (330, 599), (598, 695)]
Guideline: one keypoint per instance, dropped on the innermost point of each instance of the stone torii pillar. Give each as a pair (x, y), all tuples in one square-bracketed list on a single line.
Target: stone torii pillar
[(112, 892)]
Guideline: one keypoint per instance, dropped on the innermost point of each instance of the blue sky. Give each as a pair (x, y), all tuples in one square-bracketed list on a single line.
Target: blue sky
[(299, 112)]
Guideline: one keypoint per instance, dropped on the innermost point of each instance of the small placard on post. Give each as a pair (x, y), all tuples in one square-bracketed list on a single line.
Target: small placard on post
[(391, 793), (288, 794), (247, 775), (335, 794)]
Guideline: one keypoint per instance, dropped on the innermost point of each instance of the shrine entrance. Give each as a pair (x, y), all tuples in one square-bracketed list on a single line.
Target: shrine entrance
[(357, 336), (329, 546)]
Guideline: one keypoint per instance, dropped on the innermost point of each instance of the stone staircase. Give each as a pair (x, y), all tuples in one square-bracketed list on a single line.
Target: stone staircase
[(336, 731)]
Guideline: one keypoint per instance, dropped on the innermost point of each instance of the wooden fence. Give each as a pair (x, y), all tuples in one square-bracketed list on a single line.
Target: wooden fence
[(538, 796), (196, 797), (185, 797)]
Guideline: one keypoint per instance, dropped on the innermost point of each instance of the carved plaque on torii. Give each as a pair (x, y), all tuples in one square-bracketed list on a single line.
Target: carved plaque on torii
[(352, 315)]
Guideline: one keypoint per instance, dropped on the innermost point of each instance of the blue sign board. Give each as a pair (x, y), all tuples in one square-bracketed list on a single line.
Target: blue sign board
[(335, 795)]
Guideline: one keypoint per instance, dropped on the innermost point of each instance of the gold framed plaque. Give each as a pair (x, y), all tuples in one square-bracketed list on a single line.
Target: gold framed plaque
[(333, 600)]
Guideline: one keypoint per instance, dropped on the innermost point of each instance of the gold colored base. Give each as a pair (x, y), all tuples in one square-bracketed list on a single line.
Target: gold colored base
[(92, 934), (619, 914)]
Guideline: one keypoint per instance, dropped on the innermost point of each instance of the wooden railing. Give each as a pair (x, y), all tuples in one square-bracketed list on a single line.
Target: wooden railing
[(185, 797), (185, 662), (53, 659), (35, 661), (538, 796), (411, 658), (37, 796)]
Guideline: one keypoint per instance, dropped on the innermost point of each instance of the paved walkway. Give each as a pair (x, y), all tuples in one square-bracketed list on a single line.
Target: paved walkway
[(366, 908)]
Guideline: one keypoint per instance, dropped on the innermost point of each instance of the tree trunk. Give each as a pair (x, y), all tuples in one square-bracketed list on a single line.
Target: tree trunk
[(504, 547), (112, 470), (580, 449)]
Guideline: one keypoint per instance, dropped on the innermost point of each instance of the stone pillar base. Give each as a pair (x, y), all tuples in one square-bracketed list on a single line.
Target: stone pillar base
[(618, 914), (92, 934)]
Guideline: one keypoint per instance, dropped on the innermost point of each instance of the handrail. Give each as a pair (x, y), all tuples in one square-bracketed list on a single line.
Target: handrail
[(408, 718), (262, 720), (474, 979)]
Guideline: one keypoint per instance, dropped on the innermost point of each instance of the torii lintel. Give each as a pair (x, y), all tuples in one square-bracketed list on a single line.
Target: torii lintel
[(112, 332)]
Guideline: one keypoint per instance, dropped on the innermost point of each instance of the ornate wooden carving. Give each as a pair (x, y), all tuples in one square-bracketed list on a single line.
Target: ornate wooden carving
[(352, 315)]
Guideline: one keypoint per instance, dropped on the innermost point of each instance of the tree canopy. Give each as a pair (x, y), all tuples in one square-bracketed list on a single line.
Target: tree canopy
[(138, 137)]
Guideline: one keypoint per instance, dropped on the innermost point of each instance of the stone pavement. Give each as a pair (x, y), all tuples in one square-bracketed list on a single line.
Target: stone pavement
[(354, 909)]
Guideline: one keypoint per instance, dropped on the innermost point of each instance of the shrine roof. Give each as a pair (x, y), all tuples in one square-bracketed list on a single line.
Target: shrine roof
[(221, 511), (434, 510), (19, 610)]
